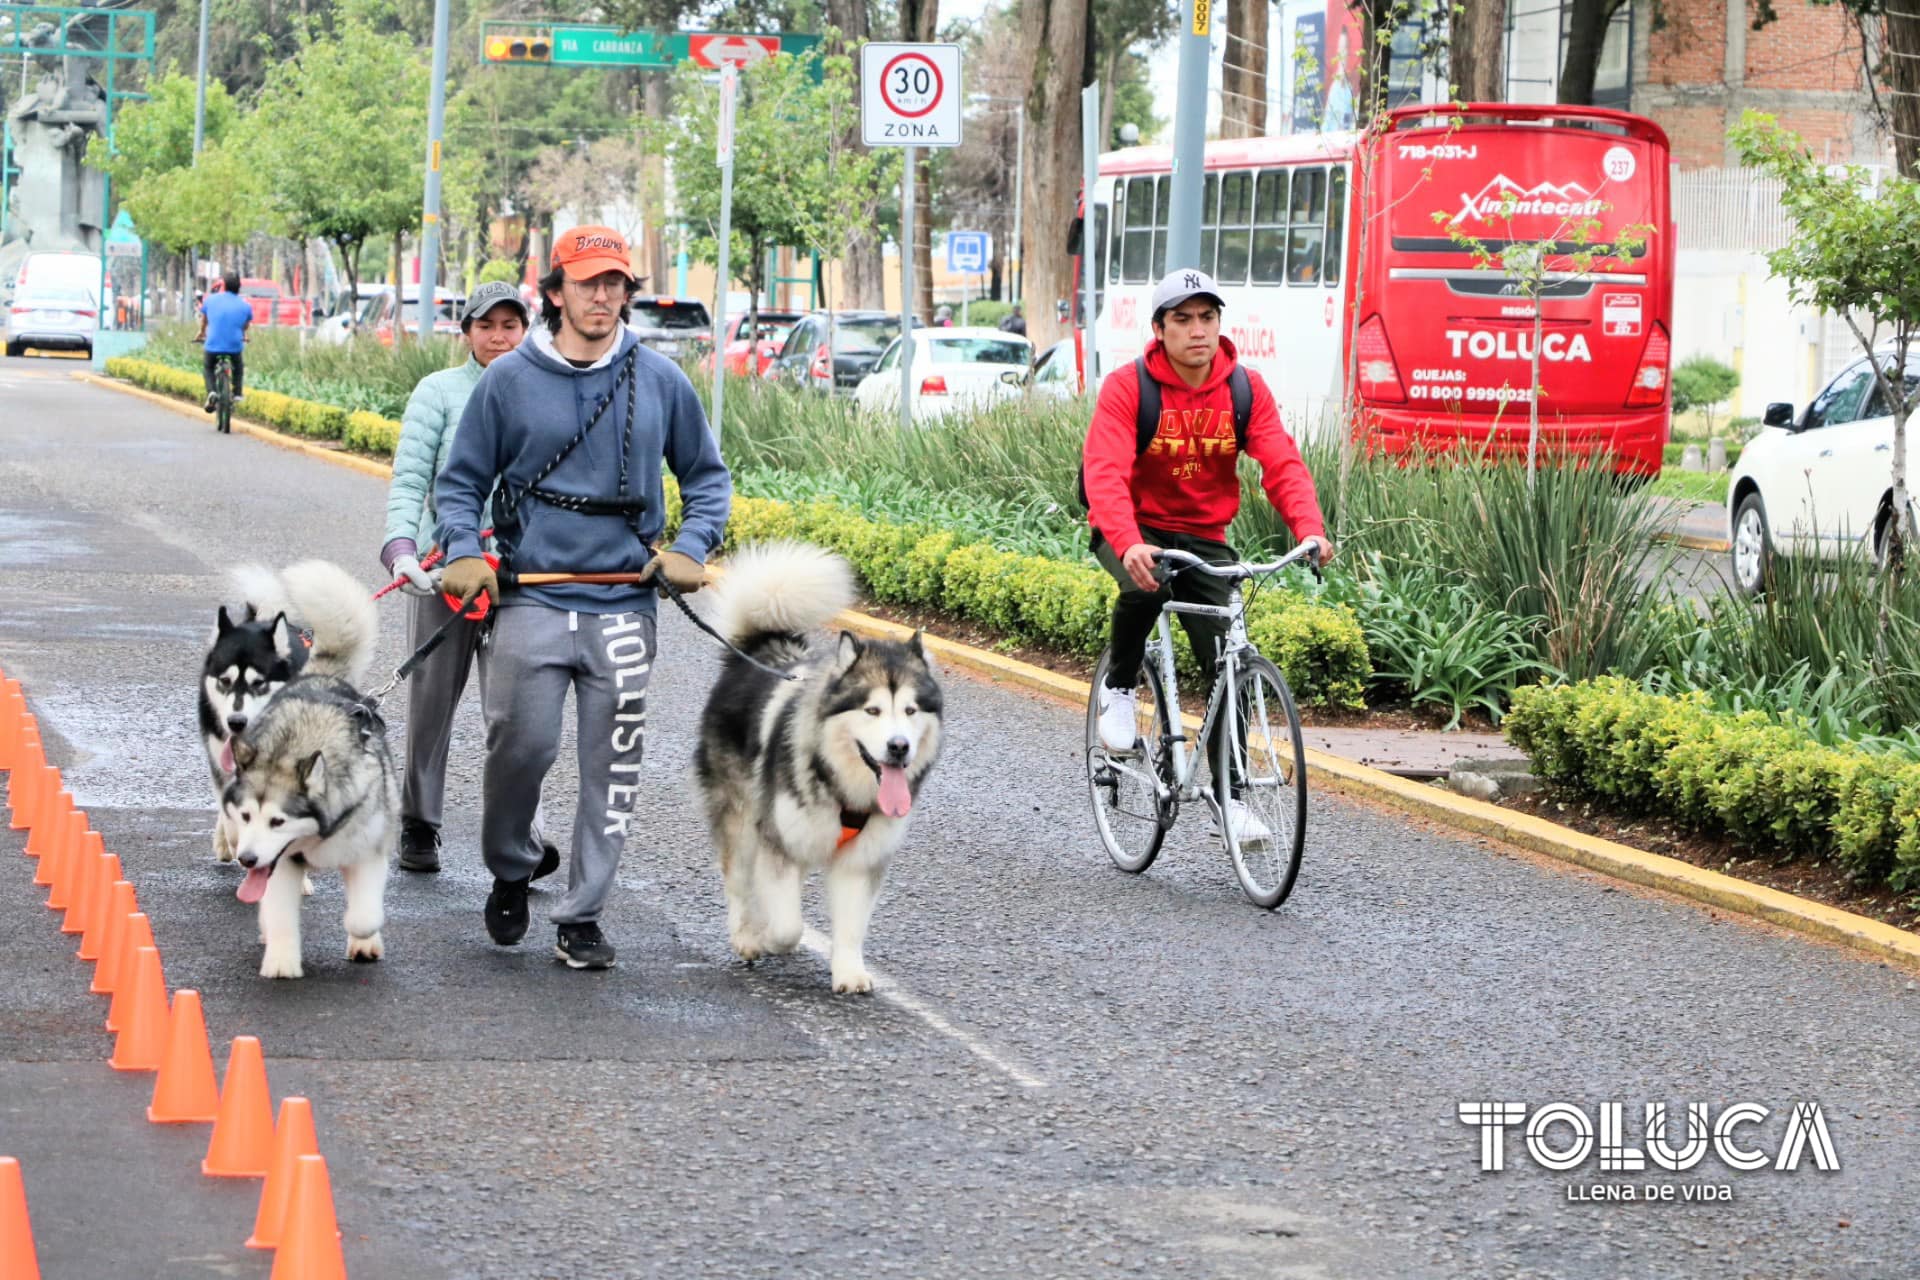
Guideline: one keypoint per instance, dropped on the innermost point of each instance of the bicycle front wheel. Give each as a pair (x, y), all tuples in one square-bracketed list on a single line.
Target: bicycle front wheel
[(1261, 764), (1131, 811)]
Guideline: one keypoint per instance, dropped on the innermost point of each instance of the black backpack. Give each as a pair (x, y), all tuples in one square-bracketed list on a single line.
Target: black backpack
[(1146, 420)]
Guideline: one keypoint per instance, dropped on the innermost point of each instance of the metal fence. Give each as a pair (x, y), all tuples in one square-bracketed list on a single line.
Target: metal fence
[(1729, 209)]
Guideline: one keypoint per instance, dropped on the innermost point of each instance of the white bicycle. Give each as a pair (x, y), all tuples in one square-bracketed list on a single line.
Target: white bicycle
[(1137, 793)]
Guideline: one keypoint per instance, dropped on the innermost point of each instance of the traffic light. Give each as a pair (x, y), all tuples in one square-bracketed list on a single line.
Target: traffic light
[(520, 48)]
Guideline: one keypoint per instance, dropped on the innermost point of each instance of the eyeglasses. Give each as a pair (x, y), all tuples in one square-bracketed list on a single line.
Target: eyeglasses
[(613, 284)]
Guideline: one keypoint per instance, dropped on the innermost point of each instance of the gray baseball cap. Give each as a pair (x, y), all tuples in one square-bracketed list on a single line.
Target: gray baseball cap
[(1180, 285), (490, 295)]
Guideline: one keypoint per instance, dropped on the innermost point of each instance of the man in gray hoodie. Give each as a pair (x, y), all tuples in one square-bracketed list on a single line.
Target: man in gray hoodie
[(572, 427)]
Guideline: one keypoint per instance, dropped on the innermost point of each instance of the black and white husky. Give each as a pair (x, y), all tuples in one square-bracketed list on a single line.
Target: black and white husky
[(311, 618), (818, 773)]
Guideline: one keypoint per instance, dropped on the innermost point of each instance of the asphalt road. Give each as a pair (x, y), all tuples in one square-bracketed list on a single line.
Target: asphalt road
[(1069, 1071)]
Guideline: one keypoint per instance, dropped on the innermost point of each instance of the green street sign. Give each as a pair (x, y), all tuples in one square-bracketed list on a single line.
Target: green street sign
[(600, 46)]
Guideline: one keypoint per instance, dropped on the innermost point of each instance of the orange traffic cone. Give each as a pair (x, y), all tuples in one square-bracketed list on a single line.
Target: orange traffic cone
[(17, 1260), (138, 934), (72, 836), (243, 1132), (25, 781), (120, 905), (310, 1246), (143, 1039), (293, 1137), (185, 1091), (95, 938), (86, 883), (48, 823), (12, 709)]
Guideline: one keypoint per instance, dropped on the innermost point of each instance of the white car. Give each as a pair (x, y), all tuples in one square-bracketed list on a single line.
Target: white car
[(952, 368), (1820, 485), (1057, 375)]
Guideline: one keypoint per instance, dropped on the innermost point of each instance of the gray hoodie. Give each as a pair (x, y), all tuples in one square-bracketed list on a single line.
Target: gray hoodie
[(529, 403)]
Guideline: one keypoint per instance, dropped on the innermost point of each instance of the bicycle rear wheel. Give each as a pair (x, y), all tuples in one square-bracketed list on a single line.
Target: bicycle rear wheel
[(223, 398), (1263, 764), (1131, 812)]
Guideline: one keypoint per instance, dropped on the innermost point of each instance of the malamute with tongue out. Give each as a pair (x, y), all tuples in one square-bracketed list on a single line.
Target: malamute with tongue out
[(816, 773)]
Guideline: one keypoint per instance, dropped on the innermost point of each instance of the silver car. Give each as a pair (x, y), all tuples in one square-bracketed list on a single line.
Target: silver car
[(52, 317)]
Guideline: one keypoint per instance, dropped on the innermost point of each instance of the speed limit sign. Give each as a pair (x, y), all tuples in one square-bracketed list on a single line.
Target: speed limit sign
[(910, 95)]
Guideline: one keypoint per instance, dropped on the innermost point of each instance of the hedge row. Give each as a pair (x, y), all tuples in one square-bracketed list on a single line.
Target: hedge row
[(1054, 603), (1057, 604), (356, 429), (1765, 783)]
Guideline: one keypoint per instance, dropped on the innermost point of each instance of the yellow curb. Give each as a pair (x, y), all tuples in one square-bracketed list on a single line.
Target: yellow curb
[(1694, 541), (339, 457), (1670, 875)]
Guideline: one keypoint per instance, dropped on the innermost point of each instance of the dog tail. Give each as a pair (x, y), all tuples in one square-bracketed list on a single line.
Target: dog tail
[(779, 588), (325, 597)]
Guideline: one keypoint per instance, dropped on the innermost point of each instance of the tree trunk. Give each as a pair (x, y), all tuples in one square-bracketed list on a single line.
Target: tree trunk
[(1903, 80), (863, 281), (1109, 76), (1052, 168), (1376, 17), (918, 21), (654, 178), (1586, 35), (400, 294), (1243, 72), (1477, 51)]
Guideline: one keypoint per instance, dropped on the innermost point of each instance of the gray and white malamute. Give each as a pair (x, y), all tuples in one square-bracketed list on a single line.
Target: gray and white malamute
[(818, 773), (311, 618)]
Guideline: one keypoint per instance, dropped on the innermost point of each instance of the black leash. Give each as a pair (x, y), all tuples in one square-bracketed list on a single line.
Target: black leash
[(413, 661), (672, 593)]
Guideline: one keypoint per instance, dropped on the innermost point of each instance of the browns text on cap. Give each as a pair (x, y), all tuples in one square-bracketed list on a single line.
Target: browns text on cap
[(586, 252), (1180, 285), (490, 295)]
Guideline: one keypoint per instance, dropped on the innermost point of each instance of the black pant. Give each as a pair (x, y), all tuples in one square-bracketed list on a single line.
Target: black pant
[(1136, 612), (206, 368)]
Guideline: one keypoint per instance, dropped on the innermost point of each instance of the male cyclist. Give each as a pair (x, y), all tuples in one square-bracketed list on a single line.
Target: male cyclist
[(224, 318), (1172, 483)]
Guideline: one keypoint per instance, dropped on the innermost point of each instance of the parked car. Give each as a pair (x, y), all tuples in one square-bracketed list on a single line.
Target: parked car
[(1057, 375), (1819, 485), (272, 307), (674, 327), (342, 316), (376, 314), (858, 339), (52, 317), (768, 338), (952, 369)]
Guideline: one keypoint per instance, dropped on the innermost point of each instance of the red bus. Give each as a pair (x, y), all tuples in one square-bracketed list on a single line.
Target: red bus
[(1346, 289)]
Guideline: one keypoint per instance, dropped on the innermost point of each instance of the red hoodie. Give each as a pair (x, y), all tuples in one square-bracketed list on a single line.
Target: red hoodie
[(1185, 481)]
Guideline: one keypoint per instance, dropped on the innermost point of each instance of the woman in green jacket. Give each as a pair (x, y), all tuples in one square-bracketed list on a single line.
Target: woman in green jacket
[(494, 322)]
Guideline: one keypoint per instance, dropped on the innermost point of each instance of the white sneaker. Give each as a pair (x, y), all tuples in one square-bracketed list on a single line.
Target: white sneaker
[(1119, 718), (1247, 827)]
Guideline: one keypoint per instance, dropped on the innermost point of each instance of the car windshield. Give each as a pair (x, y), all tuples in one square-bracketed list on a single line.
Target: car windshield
[(653, 313), (981, 351), (774, 330), (863, 337), (53, 297)]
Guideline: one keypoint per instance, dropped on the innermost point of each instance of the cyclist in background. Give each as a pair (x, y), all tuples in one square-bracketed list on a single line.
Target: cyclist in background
[(1179, 487), (224, 318)]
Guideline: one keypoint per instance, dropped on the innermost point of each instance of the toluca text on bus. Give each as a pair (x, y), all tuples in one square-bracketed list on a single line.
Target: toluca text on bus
[(1383, 271)]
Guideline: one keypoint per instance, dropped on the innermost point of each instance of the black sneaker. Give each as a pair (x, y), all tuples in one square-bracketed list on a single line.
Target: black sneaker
[(507, 911), (549, 860), (419, 846), (208, 406), (583, 946)]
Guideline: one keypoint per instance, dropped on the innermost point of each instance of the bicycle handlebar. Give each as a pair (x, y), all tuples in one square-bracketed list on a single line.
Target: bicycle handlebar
[(1177, 561)]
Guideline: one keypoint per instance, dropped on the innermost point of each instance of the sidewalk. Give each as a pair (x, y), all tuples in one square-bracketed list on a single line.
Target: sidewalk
[(1411, 753), (1702, 526)]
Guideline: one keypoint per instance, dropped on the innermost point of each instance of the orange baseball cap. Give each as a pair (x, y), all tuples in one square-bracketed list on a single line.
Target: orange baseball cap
[(586, 252)]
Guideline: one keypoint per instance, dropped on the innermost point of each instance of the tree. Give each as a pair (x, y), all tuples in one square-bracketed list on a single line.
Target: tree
[(1476, 50), (212, 205), (1852, 253), (339, 135), (498, 270), (1122, 30), (1243, 71), (919, 22), (1701, 383), (1054, 32), (1587, 23), (157, 135), (1890, 52), (863, 265), (607, 178)]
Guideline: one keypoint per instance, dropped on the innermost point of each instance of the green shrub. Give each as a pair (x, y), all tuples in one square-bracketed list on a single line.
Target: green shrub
[(984, 313), (1700, 382), (359, 430), (498, 270)]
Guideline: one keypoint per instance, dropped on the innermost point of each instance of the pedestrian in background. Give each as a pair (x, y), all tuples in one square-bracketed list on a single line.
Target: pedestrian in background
[(1014, 322), (493, 323)]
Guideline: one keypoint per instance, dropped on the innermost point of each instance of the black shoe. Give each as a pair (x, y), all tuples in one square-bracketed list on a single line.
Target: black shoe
[(549, 860), (507, 911), (208, 406), (419, 846), (583, 947)]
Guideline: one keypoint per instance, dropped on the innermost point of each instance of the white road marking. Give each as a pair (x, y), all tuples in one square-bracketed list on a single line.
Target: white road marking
[(883, 986)]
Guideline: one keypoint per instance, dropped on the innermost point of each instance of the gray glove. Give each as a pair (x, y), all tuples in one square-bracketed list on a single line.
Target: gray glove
[(414, 580)]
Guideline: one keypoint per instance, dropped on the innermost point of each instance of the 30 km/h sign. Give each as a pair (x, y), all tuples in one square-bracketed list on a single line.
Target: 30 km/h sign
[(910, 95)]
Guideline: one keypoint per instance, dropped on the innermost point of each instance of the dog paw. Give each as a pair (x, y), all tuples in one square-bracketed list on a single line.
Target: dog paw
[(222, 850), (281, 962), (306, 884), (780, 942), (851, 980), (748, 944), (366, 950)]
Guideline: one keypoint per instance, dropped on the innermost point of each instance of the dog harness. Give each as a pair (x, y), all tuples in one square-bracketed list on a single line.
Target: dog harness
[(851, 825)]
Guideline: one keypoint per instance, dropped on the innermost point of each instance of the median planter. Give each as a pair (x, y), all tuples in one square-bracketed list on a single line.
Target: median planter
[(367, 433)]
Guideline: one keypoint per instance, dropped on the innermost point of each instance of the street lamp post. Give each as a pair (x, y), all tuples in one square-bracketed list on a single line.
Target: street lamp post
[(1019, 258)]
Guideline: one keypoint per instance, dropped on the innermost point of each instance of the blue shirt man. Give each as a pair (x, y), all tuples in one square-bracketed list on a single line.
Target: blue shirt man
[(224, 318)]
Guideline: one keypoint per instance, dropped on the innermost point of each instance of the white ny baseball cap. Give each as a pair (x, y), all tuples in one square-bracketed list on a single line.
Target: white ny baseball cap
[(1180, 285)]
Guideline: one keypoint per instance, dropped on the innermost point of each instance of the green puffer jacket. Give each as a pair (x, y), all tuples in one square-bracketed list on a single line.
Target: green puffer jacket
[(426, 437)]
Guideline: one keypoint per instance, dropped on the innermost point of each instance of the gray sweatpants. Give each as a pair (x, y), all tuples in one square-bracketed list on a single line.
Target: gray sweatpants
[(539, 653)]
